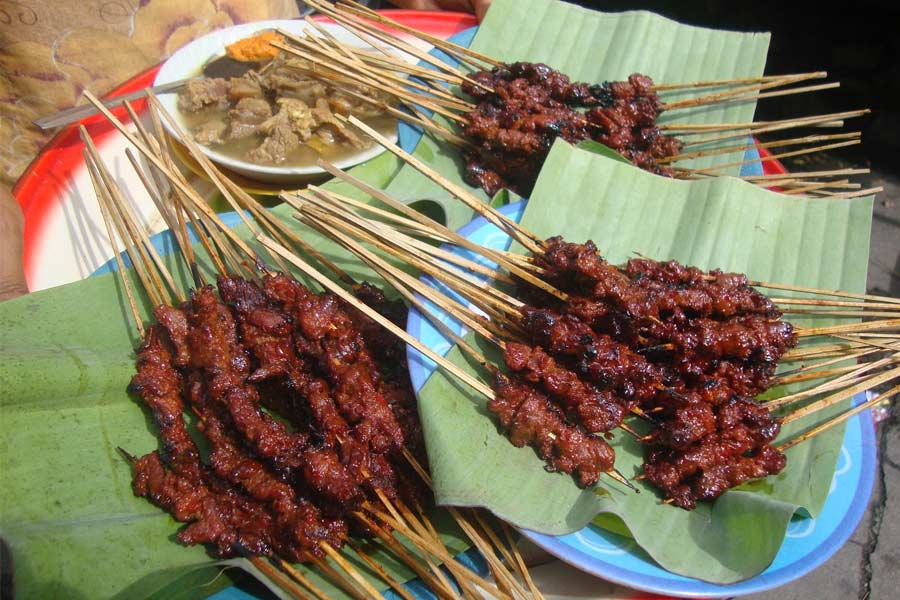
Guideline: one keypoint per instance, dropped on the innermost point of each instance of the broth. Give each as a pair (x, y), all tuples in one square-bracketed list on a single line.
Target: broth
[(305, 155)]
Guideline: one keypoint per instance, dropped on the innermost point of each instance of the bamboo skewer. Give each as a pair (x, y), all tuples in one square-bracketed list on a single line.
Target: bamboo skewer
[(738, 81), (402, 279), (123, 275), (190, 193), (771, 157), (463, 195), (498, 257), (367, 32), (742, 93), (395, 244), (773, 144), (152, 286), (460, 52), (352, 62), (281, 580), (842, 395), (765, 126), (840, 418), (433, 103)]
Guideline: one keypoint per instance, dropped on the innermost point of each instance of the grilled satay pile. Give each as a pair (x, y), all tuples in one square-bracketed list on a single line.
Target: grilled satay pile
[(513, 126), (686, 349), (277, 486)]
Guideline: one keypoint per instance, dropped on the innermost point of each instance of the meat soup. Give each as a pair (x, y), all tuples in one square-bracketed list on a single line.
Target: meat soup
[(276, 115)]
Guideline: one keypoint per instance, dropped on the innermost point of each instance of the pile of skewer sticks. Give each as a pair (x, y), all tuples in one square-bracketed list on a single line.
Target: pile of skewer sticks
[(407, 533), (434, 102), (870, 336)]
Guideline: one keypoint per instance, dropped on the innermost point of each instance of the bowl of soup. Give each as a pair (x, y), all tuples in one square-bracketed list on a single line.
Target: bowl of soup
[(268, 119)]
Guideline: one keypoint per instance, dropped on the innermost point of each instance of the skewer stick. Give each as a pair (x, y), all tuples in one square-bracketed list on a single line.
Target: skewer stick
[(844, 382), (214, 174), (818, 187), (425, 532), (394, 220), (530, 241), (350, 570), (798, 90), (805, 174), (456, 50), (441, 587), (395, 234), (154, 293), (339, 580), (859, 194), (769, 126), (486, 328), (739, 91), (157, 199), (494, 541), (301, 579), (773, 144), (456, 279), (822, 291), (841, 418), (822, 148), (418, 121), (724, 82), (177, 181), (503, 577), (440, 94), (367, 31), (453, 307), (393, 244), (430, 102), (126, 283), (520, 562), (279, 578), (393, 583), (781, 379), (498, 257), (850, 328), (813, 374), (129, 220), (465, 578)]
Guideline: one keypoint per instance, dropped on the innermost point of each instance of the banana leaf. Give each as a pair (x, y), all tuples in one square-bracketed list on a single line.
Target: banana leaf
[(66, 508), (716, 223), (593, 46)]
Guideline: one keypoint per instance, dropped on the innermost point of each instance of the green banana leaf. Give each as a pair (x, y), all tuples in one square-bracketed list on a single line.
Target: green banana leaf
[(593, 46), (716, 223), (66, 507)]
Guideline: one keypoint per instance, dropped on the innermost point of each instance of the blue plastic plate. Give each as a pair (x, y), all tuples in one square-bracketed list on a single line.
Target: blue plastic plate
[(808, 543)]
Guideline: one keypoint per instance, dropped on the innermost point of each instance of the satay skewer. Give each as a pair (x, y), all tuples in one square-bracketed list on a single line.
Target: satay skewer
[(111, 206), (815, 391), (248, 203), (352, 573)]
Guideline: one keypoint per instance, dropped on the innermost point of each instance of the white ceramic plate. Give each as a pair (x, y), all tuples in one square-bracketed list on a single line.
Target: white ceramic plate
[(187, 62)]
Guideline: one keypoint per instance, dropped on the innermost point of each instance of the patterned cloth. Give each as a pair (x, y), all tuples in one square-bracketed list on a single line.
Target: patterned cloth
[(52, 50)]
